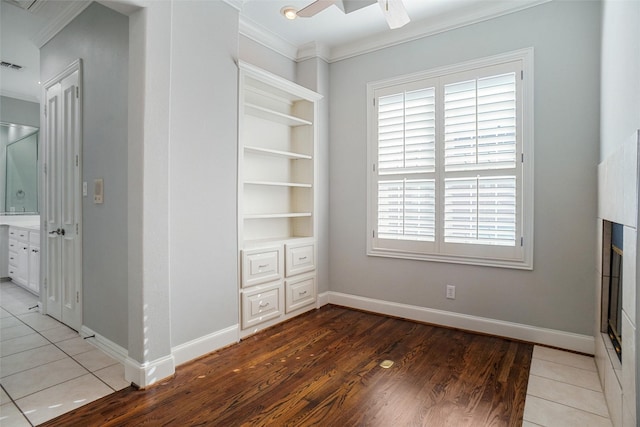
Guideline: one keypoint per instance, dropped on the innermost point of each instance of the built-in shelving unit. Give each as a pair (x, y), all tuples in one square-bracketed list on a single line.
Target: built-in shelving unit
[(276, 198)]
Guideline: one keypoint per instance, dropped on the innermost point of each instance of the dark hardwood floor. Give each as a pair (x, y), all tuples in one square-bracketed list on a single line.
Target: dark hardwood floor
[(322, 368)]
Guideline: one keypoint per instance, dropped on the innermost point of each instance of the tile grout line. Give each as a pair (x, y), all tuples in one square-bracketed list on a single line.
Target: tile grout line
[(64, 352), (568, 406), (563, 382), (13, 402), (58, 347), (566, 365)]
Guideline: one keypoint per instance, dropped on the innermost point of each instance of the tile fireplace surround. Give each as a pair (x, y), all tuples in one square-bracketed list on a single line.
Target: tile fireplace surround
[(618, 202)]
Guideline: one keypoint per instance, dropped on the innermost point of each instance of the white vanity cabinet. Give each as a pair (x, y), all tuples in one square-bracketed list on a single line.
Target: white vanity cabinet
[(24, 258), (277, 226)]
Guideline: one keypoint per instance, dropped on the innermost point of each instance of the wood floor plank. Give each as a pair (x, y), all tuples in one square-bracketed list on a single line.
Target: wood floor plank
[(323, 368)]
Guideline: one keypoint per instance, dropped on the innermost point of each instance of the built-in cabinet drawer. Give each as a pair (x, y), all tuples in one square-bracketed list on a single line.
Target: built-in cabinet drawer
[(13, 245), (277, 282), (24, 258), (300, 292), (262, 266), (300, 258), (261, 304)]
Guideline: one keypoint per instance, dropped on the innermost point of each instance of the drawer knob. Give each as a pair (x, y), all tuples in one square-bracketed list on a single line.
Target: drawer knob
[(302, 293), (263, 266), (263, 304), (302, 258)]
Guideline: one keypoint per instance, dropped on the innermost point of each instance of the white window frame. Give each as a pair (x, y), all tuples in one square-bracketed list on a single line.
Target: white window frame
[(518, 257)]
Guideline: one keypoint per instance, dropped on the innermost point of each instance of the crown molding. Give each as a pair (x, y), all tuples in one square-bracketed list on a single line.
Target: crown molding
[(413, 31), (427, 28), (59, 22), (313, 50), (236, 4), (267, 38)]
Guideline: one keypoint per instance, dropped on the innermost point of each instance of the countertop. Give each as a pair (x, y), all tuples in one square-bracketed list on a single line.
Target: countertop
[(26, 221)]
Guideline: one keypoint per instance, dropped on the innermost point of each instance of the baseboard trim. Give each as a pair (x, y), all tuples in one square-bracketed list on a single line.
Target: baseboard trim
[(200, 346), (112, 349), (140, 374), (145, 374), (550, 337), (323, 299)]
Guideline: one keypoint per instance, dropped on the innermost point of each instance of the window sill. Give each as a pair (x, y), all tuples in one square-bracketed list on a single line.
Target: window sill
[(524, 264)]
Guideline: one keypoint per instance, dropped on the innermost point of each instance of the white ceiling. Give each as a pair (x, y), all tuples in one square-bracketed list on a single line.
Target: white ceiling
[(331, 34), (336, 35)]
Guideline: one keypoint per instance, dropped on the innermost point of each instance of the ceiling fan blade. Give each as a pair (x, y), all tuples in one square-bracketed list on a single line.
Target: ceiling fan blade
[(394, 12), (348, 6), (315, 7)]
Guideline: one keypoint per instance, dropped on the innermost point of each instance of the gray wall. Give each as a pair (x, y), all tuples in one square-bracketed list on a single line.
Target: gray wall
[(558, 293), (100, 37), (20, 112), (203, 169), (265, 58), (314, 74)]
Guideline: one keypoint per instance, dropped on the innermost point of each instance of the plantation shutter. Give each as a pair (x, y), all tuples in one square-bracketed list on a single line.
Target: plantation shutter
[(480, 150), (447, 151), (406, 160)]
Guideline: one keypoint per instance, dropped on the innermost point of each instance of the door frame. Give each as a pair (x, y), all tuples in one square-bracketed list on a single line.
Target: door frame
[(70, 69)]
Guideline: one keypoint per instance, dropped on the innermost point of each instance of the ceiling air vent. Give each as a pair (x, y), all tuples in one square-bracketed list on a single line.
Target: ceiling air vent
[(10, 66)]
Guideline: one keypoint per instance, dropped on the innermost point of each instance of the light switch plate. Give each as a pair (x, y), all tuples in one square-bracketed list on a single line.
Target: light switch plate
[(98, 191)]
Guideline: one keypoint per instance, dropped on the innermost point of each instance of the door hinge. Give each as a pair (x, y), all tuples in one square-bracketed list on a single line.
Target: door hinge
[(45, 110), (78, 297), (521, 241), (45, 283), (77, 92), (373, 233), (76, 228), (45, 168), (76, 160), (522, 158), (521, 74)]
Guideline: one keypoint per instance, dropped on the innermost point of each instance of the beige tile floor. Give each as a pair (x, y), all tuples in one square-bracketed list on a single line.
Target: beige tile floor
[(46, 369), (564, 391)]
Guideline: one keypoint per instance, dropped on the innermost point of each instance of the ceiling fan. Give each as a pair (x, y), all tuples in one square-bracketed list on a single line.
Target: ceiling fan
[(393, 10)]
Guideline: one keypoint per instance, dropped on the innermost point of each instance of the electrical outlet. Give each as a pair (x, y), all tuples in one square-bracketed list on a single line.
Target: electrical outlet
[(451, 292)]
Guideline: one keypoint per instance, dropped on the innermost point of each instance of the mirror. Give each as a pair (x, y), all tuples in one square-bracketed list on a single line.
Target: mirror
[(18, 169)]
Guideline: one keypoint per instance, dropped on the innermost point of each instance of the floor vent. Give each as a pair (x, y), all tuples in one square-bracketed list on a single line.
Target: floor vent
[(386, 364)]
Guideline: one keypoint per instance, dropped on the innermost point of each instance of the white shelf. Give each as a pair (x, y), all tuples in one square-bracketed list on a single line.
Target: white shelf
[(278, 184), (277, 179), (276, 116), (277, 153), (281, 239), (278, 215)]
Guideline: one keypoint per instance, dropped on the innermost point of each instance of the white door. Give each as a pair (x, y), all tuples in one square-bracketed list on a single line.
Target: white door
[(63, 281)]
